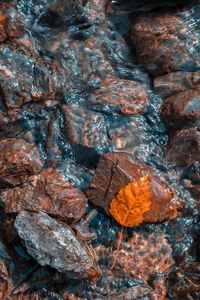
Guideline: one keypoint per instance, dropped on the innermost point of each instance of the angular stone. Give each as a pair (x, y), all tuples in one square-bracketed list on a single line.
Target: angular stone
[(160, 39), (122, 96), (116, 170), (54, 244), (18, 160), (184, 148), (178, 110), (48, 192), (173, 83), (24, 79)]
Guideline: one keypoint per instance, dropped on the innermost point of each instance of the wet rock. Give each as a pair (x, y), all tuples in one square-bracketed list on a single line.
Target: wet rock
[(116, 170), (122, 96), (184, 282), (180, 109), (24, 79), (49, 192), (191, 179), (165, 42), (59, 12), (18, 160), (55, 244), (173, 83), (85, 127), (184, 147)]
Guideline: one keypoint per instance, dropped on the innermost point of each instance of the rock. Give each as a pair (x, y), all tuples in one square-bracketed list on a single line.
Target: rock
[(122, 96), (159, 38), (18, 160), (84, 127), (49, 192), (116, 170), (173, 83), (54, 244), (180, 109), (18, 81), (184, 148)]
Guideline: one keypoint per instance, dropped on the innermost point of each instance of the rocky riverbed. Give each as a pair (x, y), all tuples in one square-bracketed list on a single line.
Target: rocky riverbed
[(99, 149)]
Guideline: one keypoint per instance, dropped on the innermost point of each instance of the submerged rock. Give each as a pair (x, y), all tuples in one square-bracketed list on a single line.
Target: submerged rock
[(54, 244), (18, 160), (48, 192), (122, 96)]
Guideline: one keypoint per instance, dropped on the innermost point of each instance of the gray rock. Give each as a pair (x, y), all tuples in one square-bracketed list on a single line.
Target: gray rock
[(54, 244)]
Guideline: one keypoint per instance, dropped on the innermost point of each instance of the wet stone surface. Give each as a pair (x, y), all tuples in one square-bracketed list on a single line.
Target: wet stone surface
[(97, 96), (54, 244)]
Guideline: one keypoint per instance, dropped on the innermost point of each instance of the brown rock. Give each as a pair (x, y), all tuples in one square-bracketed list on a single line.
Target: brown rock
[(179, 109), (116, 170), (48, 192), (123, 96), (184, 148), (173, 83), (159, 38), (84, 127), (18, 160)]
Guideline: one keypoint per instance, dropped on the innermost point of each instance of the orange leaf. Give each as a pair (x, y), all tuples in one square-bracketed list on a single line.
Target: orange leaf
[(131, 202)]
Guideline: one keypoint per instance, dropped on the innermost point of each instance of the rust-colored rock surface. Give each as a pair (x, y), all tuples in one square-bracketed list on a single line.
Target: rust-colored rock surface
[(184, 148), (160, 37), (48, 192), (18, 160), (117, 170), (123, 96), (178, 110)]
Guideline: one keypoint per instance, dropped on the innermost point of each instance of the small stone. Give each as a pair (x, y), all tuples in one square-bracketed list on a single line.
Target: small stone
[(18, 160), (160, 38), (184, 148), (178, 110), (54, 244), (48, 192)]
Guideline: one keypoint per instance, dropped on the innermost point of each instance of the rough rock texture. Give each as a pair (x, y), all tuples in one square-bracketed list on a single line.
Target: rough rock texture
[(48, 192), (117, 170), (18, 160), (178, 110), (185, 147), (165, 41), (55, 244), (123, 96)]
